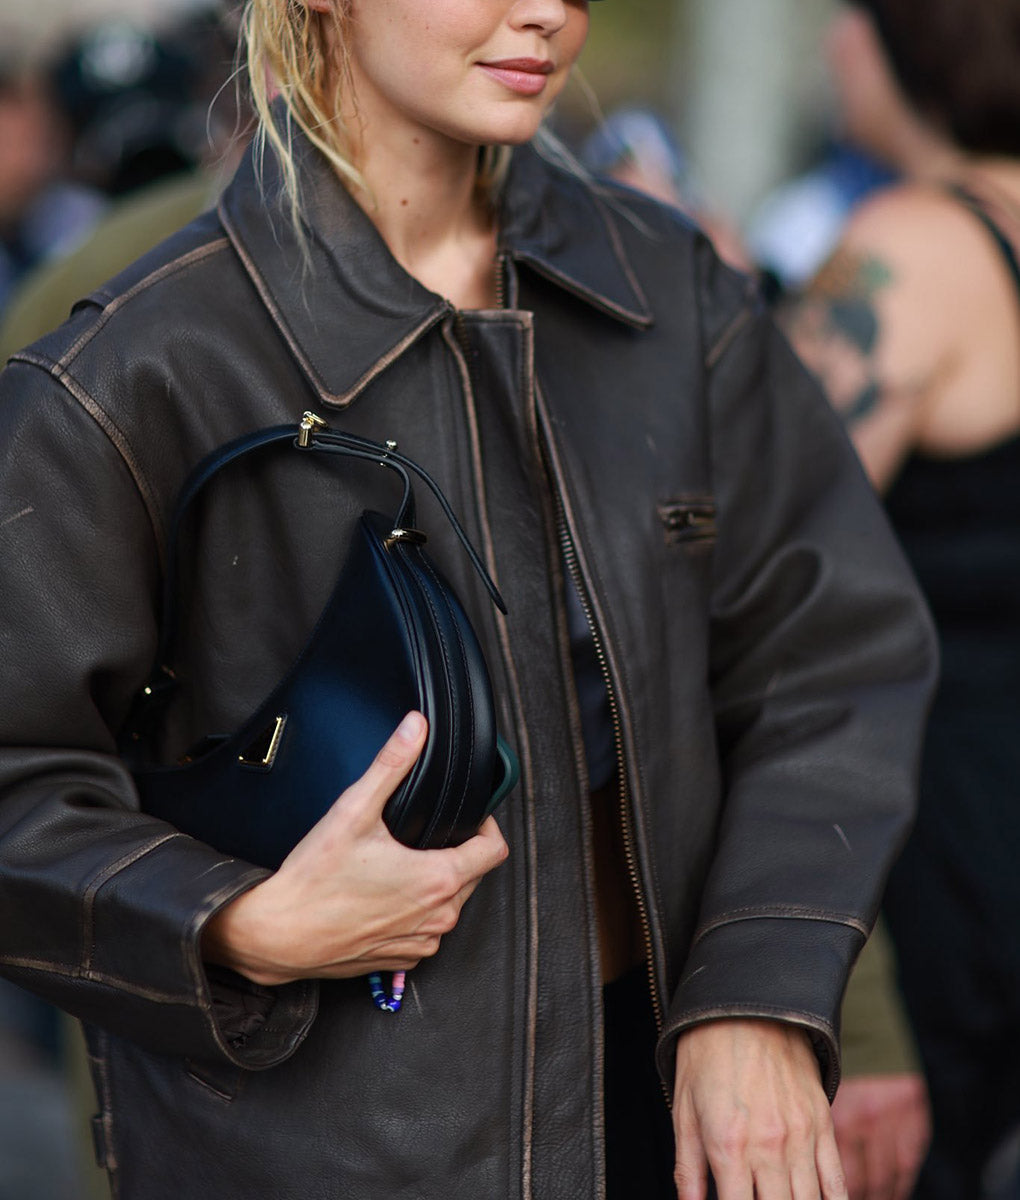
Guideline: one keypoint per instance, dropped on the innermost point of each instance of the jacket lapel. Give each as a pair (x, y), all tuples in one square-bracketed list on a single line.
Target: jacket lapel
[(357, 309)]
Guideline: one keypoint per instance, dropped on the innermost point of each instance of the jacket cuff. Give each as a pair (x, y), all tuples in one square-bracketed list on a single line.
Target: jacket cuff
[(147, 922), (789, 969)]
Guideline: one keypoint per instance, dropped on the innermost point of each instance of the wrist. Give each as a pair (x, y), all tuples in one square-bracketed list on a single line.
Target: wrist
[(236, 937)]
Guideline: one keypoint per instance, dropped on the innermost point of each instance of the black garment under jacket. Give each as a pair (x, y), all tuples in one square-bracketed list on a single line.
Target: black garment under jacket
[(630, 410)]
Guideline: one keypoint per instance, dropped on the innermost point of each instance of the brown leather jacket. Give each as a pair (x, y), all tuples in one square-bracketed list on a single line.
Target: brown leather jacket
[(631, 412)]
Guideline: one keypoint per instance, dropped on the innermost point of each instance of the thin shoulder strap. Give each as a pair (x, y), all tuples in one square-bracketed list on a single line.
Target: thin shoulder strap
[(974, 205), (312, 435)]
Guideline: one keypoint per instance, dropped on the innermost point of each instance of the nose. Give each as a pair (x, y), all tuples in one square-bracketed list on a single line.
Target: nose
[(544, 16)]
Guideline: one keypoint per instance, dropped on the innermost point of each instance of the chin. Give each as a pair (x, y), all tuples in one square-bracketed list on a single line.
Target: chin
[(511, 133)]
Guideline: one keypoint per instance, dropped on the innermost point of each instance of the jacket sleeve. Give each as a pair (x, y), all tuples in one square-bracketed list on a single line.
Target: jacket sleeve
[(822, 663), (102, 907)]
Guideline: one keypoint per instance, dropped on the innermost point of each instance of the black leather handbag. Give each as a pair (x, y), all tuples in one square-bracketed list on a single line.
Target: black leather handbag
[(393, 637)]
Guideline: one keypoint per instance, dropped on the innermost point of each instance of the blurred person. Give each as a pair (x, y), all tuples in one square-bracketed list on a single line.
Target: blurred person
[(498, 321), (913, 327), (142, 102), (798, 224), (220, 127), (42, 214), (881, 1112), (131, 225)]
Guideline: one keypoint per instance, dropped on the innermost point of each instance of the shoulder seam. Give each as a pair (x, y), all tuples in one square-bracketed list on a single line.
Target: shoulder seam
[(751, 307), (119, 301), (114, 435)]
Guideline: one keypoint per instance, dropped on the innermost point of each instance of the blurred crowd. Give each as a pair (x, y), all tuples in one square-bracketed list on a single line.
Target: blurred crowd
[(111, 111), (892, 262)]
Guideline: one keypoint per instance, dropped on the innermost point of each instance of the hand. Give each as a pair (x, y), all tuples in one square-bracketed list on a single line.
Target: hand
[(749, 1106), (882, 1130), (349, 898)]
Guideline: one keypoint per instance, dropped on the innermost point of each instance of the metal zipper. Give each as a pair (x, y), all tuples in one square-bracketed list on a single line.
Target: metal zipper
[(460, 325), (501, 280), (627, 824)]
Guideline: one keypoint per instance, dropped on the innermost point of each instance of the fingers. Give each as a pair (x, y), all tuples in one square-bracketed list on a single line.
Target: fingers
[(389, 767), (830, 1169), (879, 1166), (455, 872), (882, 1130), (481, 853), (691, 1172), (855, 1167)]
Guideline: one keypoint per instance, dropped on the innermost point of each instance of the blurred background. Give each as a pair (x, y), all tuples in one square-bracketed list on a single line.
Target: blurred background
[(739, 79), (100, 98)]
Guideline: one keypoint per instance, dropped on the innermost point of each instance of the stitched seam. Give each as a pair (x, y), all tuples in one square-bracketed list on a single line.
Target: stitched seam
[(524, 324), (733, 330), (467, 675), (619, 679), (731, 1009), (59, 370), (383, 362), (92, 891), (446, 655), (192, 961), (161, 273), (781, 913), (621, 254), (97, 977), (344, 399), (113, 434), (570, 284)]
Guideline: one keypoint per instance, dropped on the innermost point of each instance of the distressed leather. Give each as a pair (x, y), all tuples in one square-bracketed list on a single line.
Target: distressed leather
[(631, 412)]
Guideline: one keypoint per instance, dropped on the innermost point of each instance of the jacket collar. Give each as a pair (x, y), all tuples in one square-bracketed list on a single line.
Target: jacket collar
[(551, 222)]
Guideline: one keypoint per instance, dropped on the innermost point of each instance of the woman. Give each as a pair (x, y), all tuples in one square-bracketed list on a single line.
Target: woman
[(913, 326), (712, 778)]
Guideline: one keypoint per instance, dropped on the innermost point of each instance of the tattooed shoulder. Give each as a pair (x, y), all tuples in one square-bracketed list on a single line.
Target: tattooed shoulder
[(836, 328)]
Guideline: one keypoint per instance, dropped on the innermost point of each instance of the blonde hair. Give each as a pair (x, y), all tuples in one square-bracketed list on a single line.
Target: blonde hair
[(301, 56)]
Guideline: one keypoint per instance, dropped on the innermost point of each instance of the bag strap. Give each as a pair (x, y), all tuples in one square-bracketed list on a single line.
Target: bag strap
[(312, 435)]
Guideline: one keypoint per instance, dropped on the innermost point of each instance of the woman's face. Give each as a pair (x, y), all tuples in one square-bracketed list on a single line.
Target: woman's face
[(474, 71)]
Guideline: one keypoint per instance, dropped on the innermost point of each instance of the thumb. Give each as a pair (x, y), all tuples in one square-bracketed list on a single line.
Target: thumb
[(389, 767)]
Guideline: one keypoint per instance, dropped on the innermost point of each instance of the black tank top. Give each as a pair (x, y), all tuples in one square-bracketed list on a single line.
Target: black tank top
[(958, 519)]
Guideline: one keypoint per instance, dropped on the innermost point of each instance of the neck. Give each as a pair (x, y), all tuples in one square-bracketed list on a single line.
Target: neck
[(922, 152), (421, 194)]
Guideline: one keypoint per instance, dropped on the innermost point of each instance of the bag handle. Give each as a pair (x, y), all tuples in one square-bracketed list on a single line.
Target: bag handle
[(311, 435)]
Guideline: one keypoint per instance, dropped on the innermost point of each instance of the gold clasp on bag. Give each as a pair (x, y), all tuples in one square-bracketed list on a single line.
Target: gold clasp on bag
[(414, 536), (261, 754), (310, 422)]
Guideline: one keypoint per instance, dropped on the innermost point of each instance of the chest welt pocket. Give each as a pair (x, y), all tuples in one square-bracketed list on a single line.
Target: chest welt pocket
[(687, 520)]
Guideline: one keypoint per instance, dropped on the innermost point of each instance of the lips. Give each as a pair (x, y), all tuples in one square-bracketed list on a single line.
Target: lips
[(525, 76)]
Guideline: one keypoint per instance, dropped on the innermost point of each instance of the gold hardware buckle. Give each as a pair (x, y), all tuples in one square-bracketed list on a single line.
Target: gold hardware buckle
[(310, 422), (266, 745), (415, 536)]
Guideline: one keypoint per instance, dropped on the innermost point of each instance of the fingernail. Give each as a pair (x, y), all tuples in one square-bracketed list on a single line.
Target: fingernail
[(409, 729)]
